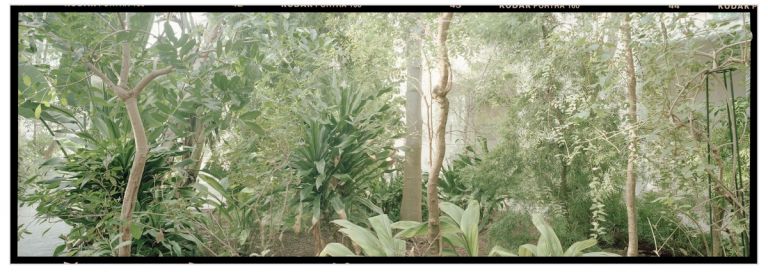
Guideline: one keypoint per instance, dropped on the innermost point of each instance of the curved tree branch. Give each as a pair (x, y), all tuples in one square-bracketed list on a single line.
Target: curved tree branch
[(136, 91)]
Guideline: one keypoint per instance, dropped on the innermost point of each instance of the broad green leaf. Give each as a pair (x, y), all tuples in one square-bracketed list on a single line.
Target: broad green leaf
[(136, 230), (169, 32), (336, 249), (413, 231), (576, 248), (362, 237), (38, 111), (447, 225), (527, 250), (27, 80), (500, 251), (370, 205), (469, 226), (381, 225), (59, 249), (454, 211), (548, 244)]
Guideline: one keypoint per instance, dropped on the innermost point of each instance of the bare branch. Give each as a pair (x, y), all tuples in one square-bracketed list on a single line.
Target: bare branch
[(733, 44), (148, 78), (119, 91)]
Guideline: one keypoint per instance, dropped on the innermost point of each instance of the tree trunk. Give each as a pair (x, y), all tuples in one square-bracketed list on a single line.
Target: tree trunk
[(629, 191), (130, 96), (137, 170), (717, 228), (439, 94), (198, 144), (410, 208)]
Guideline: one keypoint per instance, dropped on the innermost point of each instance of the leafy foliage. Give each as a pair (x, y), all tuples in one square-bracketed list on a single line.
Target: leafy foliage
[(380, 243), (549, 244), (344, 149)]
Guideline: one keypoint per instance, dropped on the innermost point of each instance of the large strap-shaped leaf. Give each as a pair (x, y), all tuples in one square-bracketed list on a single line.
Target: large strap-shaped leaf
[(549, 244), (410, 230), (576, 248), (469, 227), (381, 225), (527, 250), (336, 249), (362, 237), (454, 211), (501, 251)]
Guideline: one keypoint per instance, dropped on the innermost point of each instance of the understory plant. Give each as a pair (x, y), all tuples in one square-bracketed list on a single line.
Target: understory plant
[(549, 245), (346, 145), (85, 193), (381, 242)]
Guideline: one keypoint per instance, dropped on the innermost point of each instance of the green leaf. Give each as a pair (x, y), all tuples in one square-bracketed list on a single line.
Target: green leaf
[(381, 225), (136, 230), (548, 244), (336, 249), (59, 249), (169, 32), (362, 237), (576, 248), (454, 211), (412, 230), (500, 251), (320, 166), (38, 111), (27, 80), (469, 226), (251, 115), (527, 250)]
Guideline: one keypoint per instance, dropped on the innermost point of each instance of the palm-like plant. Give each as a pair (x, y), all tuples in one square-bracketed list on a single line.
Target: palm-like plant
[(380, 243), (345, 146), (549, 244)]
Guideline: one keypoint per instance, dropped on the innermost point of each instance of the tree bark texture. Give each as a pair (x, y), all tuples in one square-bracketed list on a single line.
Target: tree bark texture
[(410, 208), (130, 96), (629, 189), (439, 94)]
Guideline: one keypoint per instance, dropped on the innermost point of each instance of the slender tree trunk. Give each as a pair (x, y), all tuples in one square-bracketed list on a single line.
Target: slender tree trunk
[(130, 96), (410, 208), (137, 170), (629, 190), (717, 228), (439, 94), (198, 143)]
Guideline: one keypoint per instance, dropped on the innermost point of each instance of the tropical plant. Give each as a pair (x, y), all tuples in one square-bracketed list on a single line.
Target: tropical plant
[(87, 187), (345, 147), (236, 222), (549, 244), (459, 227), (381, 242)]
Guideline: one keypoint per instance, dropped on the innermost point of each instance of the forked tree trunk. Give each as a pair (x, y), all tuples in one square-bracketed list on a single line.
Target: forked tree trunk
[(439, 94), (130, 96), (629, 189), (410, 208), (137, 170)]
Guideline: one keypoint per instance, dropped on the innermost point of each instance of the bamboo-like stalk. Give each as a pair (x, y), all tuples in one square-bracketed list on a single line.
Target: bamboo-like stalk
[(735, 158), (709, 161)]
